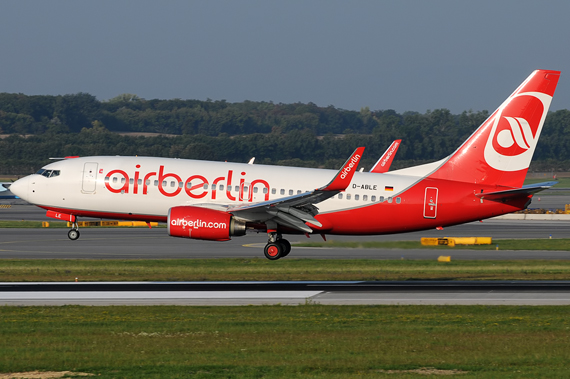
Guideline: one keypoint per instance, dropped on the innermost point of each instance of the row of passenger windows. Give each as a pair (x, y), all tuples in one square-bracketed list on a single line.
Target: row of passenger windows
[(48, 173), (221, 187)]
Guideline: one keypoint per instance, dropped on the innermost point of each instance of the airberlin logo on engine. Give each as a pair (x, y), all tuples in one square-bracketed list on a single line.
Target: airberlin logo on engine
[(170, 184), (515, 130), (198, 224), (348, 168)]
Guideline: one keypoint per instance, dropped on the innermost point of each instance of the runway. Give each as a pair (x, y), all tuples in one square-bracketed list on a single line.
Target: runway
[(144, 243), (287, 293)]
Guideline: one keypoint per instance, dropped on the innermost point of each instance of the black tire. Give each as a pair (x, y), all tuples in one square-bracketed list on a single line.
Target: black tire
[(286, 247), (73, 234), (273, 251)]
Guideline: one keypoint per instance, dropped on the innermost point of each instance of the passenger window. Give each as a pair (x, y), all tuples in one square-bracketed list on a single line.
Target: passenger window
[(282, 191), (189, 185), (180, 184), (139, 182), (131, 181), (147, 182), (106, 179), (172, 184), (115, 179), (255, 189), (213, 187), (373, 198), (365, 197), (221, 187), (290, 192), (381, 199), (273, 191), (347, 196), (265, 190), (356, 197), (164, 183), (205, 186), (390, 199), (236, 188), (123, 180), (298, 192), (398, 200), (244, 188), (340, 196), (156, 183)]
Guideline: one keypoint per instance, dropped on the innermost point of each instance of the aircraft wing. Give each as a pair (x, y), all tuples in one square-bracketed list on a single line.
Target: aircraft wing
[(294, 211), (526, 190)]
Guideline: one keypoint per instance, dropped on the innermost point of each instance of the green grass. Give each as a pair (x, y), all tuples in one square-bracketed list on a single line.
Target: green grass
[(560, 244), (287, 269), (308, 341)]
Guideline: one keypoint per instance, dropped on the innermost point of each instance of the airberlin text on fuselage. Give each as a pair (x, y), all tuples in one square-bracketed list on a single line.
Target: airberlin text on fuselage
[(195, 186)]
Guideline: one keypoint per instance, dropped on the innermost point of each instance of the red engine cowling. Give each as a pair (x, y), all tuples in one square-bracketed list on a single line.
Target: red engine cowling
[(203, 223)]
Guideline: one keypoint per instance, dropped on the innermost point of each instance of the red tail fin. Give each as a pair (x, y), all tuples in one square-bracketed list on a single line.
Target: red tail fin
[(500, 150)]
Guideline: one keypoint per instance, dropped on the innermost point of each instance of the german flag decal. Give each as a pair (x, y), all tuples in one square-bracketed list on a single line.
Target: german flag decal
[(388, 188)]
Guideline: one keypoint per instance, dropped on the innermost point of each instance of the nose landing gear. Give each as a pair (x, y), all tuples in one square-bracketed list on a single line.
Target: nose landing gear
[(74, 234)]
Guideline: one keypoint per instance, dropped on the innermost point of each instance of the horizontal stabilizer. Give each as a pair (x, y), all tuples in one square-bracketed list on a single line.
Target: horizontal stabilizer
[(524, 191)]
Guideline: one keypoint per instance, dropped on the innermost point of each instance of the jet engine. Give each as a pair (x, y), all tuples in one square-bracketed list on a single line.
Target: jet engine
[(203, 223)]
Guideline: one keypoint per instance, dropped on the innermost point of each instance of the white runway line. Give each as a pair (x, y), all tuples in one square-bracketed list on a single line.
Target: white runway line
[(155, 295)]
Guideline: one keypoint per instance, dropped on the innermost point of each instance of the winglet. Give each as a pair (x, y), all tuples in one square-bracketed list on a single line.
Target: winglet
[(383, 164), (345, 174)]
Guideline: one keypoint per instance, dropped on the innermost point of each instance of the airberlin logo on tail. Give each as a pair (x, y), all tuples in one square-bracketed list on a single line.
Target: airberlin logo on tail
[(516, 127), (348, 168)]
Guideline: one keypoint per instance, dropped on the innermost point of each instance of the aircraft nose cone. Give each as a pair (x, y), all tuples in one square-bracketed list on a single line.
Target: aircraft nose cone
[(20, 187)]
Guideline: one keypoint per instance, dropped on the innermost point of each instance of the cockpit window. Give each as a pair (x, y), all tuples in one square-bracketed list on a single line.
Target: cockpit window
[(48, 173)]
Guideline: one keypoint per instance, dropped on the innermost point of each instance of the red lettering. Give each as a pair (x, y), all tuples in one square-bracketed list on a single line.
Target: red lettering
[(253, 185), (161, 180), (215, 186), (229, 186), (145, 187), (196, 186), (125, 186)]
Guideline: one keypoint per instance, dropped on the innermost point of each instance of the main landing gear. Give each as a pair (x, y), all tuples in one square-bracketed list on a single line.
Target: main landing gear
[(276, 247), (74, 234)]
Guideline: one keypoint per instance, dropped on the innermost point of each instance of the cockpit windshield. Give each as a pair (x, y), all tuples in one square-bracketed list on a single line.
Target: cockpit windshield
[(48, 173)]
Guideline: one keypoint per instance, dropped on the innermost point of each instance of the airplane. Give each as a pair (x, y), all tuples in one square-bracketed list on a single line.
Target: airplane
[(218, 200), (383, 164)]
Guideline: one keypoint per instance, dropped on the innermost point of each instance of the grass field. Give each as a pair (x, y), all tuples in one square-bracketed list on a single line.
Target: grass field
[(27, 270), (309, 341)]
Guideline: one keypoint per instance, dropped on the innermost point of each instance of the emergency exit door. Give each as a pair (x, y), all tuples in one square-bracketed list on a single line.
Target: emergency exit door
[(430, 202), (89, 177)]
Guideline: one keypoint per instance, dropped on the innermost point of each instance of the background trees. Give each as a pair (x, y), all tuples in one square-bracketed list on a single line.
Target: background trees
[(39, 127)]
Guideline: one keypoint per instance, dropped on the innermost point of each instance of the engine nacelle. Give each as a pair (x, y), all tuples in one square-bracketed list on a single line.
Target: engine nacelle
[(203, 223)]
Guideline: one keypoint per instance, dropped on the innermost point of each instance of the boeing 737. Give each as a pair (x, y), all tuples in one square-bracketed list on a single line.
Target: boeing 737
[(218, 200)]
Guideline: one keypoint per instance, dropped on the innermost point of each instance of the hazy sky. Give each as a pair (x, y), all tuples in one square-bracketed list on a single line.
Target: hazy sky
[(402, 55)]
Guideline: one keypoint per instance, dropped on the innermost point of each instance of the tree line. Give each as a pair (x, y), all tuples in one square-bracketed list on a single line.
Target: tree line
[(297, 134)]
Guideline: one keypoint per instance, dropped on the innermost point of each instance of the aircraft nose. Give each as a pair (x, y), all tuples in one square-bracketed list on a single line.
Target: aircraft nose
[(20, 187)]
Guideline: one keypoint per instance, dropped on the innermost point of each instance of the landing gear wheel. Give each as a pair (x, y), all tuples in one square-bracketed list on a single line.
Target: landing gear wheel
[(273, 251), (286, 247), (73, 234)]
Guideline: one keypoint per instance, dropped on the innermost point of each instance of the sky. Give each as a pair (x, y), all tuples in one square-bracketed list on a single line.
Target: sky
[(406, 55)]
